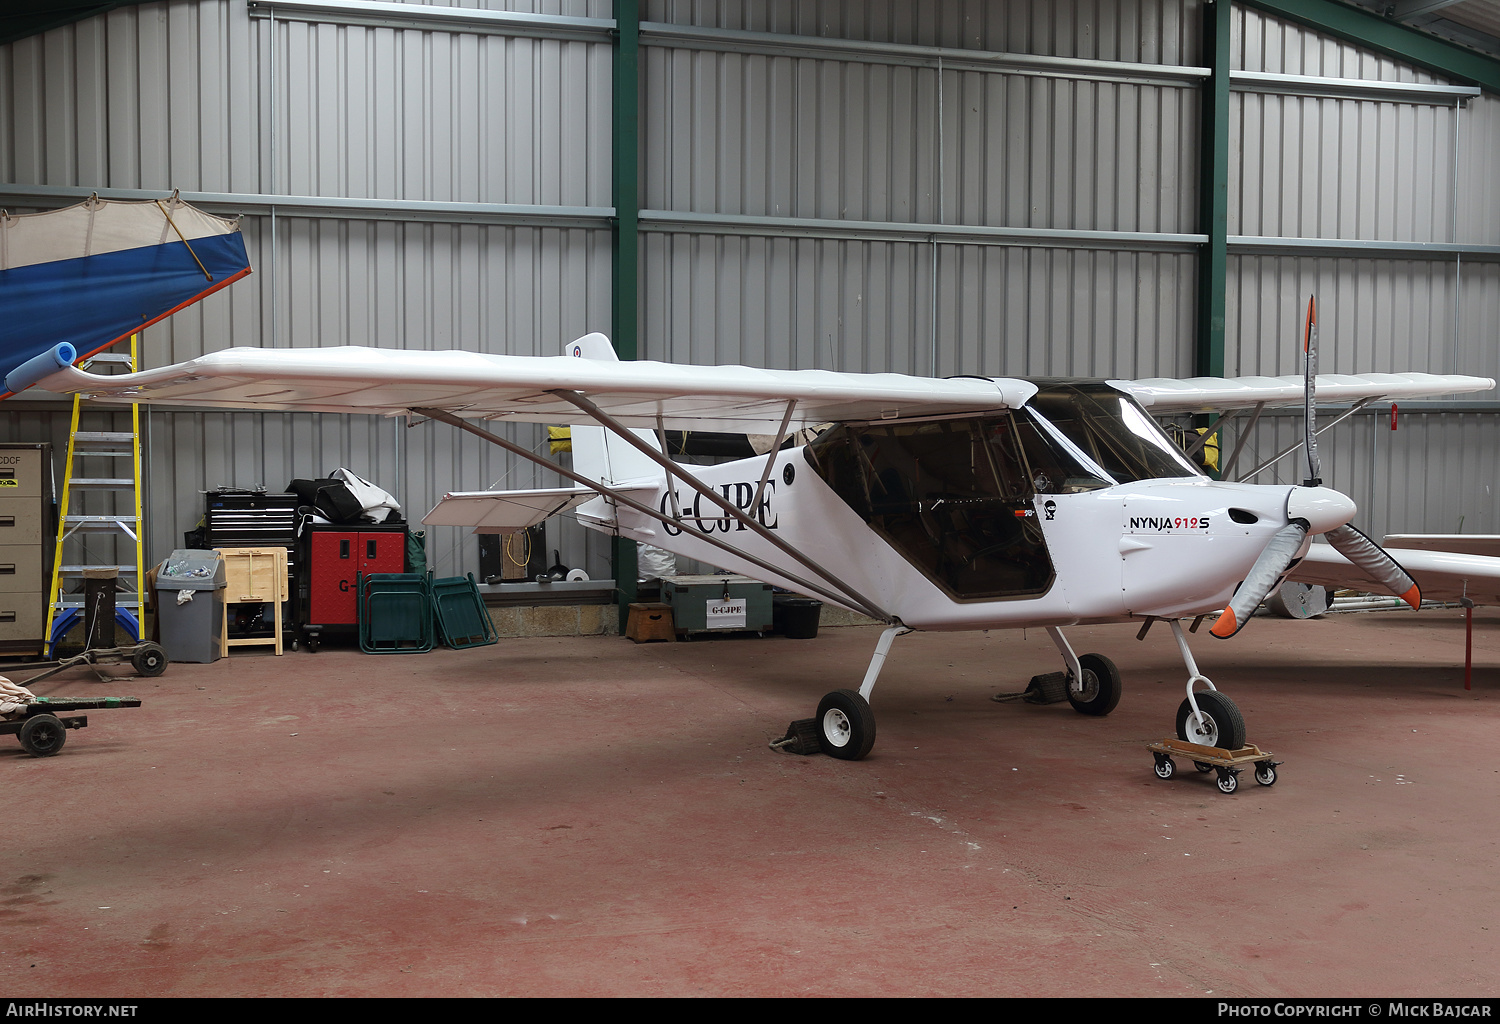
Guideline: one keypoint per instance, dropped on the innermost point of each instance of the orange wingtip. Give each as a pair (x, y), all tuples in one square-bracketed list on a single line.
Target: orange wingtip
[(1226, 626), (1413, 597)]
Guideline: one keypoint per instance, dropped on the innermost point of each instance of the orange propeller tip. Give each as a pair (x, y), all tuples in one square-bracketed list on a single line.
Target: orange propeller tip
[(1225, 627), (1413, 597)]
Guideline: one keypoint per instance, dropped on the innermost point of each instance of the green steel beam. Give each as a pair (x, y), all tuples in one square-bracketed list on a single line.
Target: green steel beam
[(1363, 28), (1213, 191), (625, 286), (625, 142)]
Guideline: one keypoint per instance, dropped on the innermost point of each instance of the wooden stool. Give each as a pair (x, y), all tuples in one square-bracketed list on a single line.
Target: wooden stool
[(255, 576), (650, 622)]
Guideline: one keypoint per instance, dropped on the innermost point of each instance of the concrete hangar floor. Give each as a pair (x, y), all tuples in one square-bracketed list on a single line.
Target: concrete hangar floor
[(554, 817)]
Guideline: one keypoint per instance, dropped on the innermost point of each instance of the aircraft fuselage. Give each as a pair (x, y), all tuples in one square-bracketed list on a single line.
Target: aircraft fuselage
[(981, 522)]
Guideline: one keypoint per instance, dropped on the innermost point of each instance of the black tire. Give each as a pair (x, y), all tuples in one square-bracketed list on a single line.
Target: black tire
[(149, 660), (1228, 783), (1203, 767), (43, 735), (846, 725), (1227, 727), (1265, 774), (1101, 686), (1165, 769)]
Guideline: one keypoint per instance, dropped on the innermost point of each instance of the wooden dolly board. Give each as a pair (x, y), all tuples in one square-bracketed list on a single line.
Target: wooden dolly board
[(42, 731), (1228, 763)]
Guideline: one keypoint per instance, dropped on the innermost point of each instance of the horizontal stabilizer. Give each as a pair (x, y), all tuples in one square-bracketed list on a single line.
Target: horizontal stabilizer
[(504, 511)]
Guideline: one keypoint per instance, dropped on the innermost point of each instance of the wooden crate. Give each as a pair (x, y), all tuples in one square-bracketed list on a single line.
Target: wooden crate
[(650, 622)]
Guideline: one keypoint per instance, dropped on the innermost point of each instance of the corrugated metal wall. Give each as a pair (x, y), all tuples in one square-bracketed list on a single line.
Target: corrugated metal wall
[(1322, 167), (178, 95), (847, 139), (203, 96)]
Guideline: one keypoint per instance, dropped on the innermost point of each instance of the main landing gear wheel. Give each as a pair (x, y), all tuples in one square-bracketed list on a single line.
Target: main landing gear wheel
[(846, 725), (43, 735), (1217, 724), (1101, 686)]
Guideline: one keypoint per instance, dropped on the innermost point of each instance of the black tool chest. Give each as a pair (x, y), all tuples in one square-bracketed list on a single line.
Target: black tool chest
[(250, 519)]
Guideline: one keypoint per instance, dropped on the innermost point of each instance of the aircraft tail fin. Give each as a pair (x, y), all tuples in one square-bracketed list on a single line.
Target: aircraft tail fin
[(592, 346), (598, 454)]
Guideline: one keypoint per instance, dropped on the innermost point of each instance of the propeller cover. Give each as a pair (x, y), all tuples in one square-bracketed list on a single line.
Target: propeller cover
[(1274, 560), (1375, 560), (1323, 508)]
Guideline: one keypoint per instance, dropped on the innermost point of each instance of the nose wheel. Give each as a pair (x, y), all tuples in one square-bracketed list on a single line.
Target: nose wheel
[(1217, 722)]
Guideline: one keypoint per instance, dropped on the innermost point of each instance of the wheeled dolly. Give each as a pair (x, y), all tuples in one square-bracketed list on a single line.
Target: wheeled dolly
[(147, 658), (1227, 763), (43, 727)]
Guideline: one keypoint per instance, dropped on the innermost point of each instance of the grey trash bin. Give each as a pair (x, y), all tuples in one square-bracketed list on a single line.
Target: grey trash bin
[(189, 609)]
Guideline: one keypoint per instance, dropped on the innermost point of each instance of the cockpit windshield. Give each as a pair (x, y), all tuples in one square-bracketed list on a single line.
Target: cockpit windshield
[(1110, 429)]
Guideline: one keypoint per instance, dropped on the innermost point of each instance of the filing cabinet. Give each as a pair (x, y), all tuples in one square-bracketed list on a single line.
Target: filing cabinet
[(27, 538)]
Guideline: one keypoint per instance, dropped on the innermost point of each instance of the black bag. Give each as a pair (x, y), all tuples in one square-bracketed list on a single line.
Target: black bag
[(306, 490), (338, 504), (331, 498)]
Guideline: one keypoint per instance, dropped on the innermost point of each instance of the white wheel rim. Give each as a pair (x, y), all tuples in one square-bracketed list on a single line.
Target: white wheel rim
[(1202, 729), (836, 727)]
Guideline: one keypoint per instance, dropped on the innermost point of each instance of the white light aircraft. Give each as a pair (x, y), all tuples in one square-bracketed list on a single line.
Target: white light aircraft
[(956, 504)]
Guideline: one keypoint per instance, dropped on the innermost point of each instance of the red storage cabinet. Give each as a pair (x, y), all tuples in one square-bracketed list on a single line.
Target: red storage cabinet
[(335, 557)]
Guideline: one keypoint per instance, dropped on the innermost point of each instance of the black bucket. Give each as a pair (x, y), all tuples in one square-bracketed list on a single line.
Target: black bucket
[(795, 617)]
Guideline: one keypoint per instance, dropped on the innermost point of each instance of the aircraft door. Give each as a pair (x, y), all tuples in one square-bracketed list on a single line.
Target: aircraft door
[(953, 497)]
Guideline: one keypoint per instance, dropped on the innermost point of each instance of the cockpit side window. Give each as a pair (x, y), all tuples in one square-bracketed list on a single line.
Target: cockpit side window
[(954, 497)]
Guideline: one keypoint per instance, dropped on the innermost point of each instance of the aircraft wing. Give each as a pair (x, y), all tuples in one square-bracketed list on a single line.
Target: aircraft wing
[(505, 511), (1165, 395), (740, 399), (1442, 575)]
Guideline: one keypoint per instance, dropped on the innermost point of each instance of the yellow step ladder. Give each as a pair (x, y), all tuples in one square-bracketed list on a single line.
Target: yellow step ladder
[(98, 446)]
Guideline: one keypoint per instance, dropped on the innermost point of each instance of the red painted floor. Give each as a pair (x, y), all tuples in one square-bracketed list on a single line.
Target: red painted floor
[(593, 817)]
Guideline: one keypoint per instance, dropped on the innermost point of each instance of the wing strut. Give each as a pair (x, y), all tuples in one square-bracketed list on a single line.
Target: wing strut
[(1239, 444), (1356, 407), (752, 523), (771, 455), (844, 596), (1208, 433), (661, 438)]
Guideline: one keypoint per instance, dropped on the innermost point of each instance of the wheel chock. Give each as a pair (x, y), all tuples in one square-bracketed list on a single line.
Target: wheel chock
[(801, 738)]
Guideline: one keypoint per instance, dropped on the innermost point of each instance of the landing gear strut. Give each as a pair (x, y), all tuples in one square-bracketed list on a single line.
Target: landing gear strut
[(1094, 685), (1208, 719), (845, 723), (1210, 731), (845, 726)]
